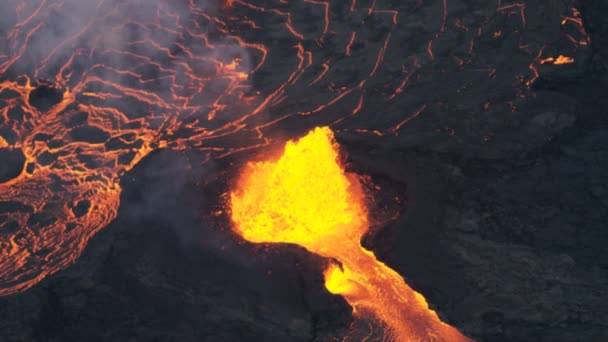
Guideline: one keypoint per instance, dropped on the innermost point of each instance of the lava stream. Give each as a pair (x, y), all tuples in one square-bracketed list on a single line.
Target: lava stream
[(306, 198)]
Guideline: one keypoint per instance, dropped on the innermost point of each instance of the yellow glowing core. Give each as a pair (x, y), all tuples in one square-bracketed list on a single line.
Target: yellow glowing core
[(306, 198)]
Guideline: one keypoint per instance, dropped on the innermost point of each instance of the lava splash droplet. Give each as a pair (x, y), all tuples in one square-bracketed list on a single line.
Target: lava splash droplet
[(306, 198)]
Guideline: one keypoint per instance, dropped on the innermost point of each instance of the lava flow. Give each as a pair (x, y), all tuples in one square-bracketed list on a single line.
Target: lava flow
[(306, 198)]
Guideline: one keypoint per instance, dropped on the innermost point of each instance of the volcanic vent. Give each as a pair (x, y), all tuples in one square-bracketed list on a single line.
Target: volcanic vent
[(306, 198)]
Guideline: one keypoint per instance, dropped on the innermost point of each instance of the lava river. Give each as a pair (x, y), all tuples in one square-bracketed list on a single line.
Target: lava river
[(306, 198)]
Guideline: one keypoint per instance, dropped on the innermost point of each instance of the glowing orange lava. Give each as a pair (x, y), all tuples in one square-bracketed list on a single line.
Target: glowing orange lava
[(561, 59), (306, 198)]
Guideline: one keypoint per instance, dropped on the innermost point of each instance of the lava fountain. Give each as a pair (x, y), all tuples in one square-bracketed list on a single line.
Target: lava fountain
[(306, 198)]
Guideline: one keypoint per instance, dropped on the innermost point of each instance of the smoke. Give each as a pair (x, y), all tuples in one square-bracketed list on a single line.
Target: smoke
[(172, 50), (172, 190), (103, 36), (135, 72), (162, 195)]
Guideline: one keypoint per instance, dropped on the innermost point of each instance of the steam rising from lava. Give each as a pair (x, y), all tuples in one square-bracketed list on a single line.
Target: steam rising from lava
[(306, 198)]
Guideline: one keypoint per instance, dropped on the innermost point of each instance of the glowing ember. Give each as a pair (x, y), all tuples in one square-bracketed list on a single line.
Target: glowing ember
[(561, 59), (306, 198)]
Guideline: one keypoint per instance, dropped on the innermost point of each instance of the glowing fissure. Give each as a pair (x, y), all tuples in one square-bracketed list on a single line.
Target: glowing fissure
[(306, 198)]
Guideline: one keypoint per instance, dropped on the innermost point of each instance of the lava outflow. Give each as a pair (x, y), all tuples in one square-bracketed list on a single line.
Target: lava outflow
[(306, 198)]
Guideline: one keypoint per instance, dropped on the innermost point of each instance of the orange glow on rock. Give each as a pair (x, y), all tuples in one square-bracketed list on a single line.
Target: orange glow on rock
[(306, 198)]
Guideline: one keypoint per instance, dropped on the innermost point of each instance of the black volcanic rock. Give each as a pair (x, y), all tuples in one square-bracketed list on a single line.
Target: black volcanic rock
[(90, 134), (12, 163), (594, 12), (45, 97)]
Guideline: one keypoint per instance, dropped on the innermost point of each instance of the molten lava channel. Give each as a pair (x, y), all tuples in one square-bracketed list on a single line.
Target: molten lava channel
[(306, 198)]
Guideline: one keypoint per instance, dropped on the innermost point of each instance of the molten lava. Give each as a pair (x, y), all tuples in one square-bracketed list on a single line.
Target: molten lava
[(561, 59), (306, 198)]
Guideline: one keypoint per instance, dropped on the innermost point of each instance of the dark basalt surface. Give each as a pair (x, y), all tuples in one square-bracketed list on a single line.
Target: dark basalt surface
[(45, 97), (12, 163), (506, 240)]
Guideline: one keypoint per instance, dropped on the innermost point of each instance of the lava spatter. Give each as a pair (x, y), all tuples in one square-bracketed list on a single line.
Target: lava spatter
[(306, 198)]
